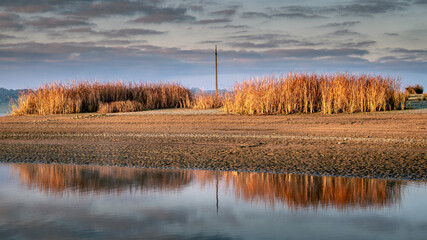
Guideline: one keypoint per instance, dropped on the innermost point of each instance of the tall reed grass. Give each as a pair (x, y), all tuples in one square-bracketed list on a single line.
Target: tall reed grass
[(309, 93), (208, 100), (79, 97)]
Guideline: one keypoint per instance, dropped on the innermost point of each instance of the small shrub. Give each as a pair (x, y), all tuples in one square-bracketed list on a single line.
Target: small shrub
[(417, 89)]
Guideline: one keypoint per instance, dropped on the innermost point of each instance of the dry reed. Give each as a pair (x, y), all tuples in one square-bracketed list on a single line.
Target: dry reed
[(207, 101), (309, 93), (79, 97)]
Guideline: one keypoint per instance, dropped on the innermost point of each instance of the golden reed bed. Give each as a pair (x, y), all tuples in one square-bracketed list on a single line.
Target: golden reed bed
[(292, 93), (79, 97), (309, 93)]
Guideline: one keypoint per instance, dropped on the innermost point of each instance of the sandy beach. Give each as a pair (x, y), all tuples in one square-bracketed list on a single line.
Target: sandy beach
[(375, 145)]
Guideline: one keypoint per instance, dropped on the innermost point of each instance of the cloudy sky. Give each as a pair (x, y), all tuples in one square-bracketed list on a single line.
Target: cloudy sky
[(166, 40)]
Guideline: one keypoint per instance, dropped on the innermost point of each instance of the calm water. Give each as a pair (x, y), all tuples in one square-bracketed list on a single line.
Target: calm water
[(40, 201), (4, 109)]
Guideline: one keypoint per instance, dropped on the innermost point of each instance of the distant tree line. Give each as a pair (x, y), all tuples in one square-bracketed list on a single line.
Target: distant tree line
[(7, 94)]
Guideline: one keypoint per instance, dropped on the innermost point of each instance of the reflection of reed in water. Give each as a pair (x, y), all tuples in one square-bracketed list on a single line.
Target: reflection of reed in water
[(58, 178), (293, 190), (307, 191)]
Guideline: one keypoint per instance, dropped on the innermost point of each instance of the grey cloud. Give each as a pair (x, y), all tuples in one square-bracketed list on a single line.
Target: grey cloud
[(420, 52), (354, 8), (255, 15), (359, 44), (212, 21), (387, 59), (52, 22), (391, 34), (267, 36), (40, 6), (404, 50), (297, 15), (195, 8), (91, 8), (130, 32), (254, 45), (5, 36), (284, 12), (210, 42), (94, 8), (117, 42), (345, 32), (10, 21), (92, 52), (407, 61), (280, 15), (228, 12), (270, 40), (231, 26), (126, 32), (81, 30), (88, 51), (371, 7), (166, 15), (175, 15), (241, 32), (342, 24), (148, 47), (160, 58), (274, 43), (86, 8), (315, 53), (30, 8), (294, 42), (412, 58), (421, 2), (152, 11), (107, 8)]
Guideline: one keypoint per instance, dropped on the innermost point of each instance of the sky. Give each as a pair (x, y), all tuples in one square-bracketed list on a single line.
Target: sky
[(173, 41)]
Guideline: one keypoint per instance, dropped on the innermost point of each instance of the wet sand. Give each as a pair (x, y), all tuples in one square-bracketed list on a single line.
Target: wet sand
[(375, 145)]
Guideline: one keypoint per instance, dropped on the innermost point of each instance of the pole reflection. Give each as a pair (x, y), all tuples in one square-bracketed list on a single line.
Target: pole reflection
[(300, 191), (294, 191)]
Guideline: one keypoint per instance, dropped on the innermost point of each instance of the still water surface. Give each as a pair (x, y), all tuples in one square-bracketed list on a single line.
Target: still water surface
[(4, 109), (39, 201)]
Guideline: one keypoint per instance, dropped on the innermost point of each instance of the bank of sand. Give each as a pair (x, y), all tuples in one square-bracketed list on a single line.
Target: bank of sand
[(379, 145)]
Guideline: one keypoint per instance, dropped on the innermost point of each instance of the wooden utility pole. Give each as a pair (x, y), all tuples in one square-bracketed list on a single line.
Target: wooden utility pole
[(216, 71)]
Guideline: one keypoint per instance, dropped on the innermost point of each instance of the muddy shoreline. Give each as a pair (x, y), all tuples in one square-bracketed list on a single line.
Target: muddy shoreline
[(375, 145)]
